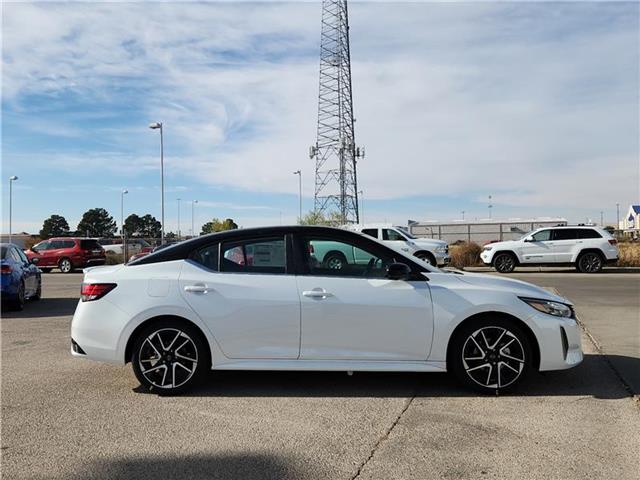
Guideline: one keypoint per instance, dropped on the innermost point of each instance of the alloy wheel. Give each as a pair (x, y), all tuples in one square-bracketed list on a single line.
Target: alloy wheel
[(335, 263), (504, 263), (493, 357), (65, 265), (590, 262), (427, 258), (168, 358)]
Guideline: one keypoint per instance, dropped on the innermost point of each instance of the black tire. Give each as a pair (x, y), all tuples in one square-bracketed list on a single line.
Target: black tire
[(334, 261), (65, 265), (504, 262), (46, 270), (17, 303), (193, 354), (497, 348), (427, 257), (38, 295), (589, 262)]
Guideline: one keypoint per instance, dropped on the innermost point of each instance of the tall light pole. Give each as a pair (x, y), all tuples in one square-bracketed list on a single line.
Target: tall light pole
[(601, 218), (12, 179), (299, 173), (361, 205), (490, 206), (179, 200), (462, 214), (193, 231), (617, 216), (122, 235), (154, 126)]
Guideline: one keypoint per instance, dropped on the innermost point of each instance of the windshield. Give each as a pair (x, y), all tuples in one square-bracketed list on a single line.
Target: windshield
[(527, 234), (406, 232)]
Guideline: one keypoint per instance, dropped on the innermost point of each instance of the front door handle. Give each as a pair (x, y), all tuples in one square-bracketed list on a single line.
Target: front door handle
[(196, 288), (317, 293)]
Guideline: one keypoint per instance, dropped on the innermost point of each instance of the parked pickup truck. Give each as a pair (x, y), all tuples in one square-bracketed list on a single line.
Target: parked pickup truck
[(435, 252)]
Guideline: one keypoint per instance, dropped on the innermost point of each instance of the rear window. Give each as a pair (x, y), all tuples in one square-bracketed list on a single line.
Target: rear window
[(3, 252), (589, 233), (89, 245)]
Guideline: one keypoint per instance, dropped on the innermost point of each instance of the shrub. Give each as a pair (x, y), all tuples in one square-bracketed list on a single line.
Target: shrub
[(113, 258), (629, 254), (465, 254)]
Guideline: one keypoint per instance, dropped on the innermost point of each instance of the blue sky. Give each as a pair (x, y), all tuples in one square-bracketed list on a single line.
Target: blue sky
[(533, 103)]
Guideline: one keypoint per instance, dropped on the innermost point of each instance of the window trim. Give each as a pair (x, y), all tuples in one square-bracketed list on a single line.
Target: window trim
[(256, 239)]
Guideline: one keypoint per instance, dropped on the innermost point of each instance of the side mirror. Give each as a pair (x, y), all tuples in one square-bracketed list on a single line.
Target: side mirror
[(398, 271), (528, 239)]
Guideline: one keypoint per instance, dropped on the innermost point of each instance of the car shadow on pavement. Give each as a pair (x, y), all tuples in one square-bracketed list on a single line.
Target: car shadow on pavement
[(594, 378), (46, 307), (247, 466)]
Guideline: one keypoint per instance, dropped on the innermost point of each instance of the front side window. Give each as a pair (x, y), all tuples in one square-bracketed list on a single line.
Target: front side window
[(22, 256), (339, 258), (393, 235), (42, 246), (542, 236), (254, 256)]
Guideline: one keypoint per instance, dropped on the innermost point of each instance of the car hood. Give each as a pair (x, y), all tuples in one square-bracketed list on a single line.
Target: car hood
[(426, 242), (505, 244), (517, 287)]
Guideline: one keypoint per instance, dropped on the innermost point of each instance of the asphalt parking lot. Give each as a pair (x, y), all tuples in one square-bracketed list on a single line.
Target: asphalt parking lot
[(69, 418)]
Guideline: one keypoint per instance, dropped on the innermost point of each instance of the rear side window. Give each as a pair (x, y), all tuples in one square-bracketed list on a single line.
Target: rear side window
[(68, 244), (89, 245), (207, 256), (565, 234), (372, 232), (265, 255), (589, 233)]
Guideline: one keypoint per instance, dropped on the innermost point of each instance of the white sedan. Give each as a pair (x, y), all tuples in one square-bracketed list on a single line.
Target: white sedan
[(266, 299)]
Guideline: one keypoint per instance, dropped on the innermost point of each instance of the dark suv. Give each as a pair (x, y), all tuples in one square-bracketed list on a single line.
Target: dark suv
[(66, 254)]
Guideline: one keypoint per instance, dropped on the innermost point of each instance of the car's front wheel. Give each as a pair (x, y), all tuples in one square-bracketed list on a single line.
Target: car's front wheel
[(491, 355), (169, 357), (427, 257), (504, 262)]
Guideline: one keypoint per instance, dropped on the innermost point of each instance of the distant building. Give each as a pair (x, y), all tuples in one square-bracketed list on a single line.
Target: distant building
[(481, 231), (630, 223)]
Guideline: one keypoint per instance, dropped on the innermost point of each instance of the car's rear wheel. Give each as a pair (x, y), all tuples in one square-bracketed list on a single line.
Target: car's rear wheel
[(169, 357), (427, 257), (65, 265), (589, 262), (504, 262), (38, 294), (17, 302), (491, 355), (334, 261)]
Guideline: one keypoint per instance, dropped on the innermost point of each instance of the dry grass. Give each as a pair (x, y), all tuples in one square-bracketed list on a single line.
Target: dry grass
[(113, 259), (465, 255), (629, 254)]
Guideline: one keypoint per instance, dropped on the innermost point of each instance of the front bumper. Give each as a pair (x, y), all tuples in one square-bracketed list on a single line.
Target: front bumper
[(560, 342), (442, 259), (486, 257)]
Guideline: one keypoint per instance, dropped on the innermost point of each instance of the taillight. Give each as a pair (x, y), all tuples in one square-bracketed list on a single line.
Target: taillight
[(94, 291), (613, 241), (6, 269)]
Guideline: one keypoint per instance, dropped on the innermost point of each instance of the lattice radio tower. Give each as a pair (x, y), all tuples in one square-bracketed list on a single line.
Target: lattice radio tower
[(335, 151)]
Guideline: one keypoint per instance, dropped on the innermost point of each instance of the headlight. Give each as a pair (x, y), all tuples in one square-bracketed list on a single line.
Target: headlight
[(442, 249), (487, 248), (556, 309)]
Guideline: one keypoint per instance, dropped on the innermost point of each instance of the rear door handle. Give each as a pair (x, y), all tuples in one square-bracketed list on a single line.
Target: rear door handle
[(317, 293), (196, 288)]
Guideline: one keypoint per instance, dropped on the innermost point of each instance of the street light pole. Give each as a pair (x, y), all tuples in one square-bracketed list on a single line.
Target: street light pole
[(12, 179), (617, 216), (462, 214), (361, 205), (490, 206), (299, 173), (122, 235), (601, 218), (193, 231), (179, 200), (154, 126)]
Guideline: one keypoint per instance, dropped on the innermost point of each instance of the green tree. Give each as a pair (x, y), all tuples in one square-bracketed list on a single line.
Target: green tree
[(317, 218), (54, 226), (97, 222), (216, 225), (133, 225), (151, 227)]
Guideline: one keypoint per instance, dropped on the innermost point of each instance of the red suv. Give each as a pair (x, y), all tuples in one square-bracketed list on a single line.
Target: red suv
[(66, 254)]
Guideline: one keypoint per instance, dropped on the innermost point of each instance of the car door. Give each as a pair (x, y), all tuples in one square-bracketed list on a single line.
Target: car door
[(29, 271), (246, 294), (42, 251), (538, 248), (395, 240), (564, 244), (355, 312), (23, 270)]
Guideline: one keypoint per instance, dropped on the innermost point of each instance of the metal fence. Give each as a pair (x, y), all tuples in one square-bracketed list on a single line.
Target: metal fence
[(481, 232)]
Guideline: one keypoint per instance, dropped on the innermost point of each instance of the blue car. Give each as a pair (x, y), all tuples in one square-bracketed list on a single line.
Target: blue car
[(20, 278)]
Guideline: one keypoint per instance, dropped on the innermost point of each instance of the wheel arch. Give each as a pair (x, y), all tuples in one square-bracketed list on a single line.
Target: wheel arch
[(175, 318), (505, 316), (590, 250), (510, 252)]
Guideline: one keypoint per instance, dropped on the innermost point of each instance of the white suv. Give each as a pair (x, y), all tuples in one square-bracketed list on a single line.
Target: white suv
[(435, 252), (588, 248)]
